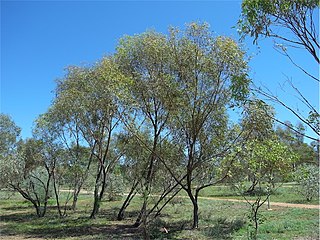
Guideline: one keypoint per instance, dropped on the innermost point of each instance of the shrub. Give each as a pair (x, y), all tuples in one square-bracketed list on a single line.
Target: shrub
[(307, 176)]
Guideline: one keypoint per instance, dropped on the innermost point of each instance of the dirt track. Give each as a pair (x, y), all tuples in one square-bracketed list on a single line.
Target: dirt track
[(278, 204)]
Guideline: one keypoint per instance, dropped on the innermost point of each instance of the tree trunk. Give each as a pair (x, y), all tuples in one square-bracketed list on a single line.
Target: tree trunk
[(144, 225), (56, 195), (127, 201), (141, 213), (96, 203), (163, 205), (194, 200), (195, 224), (97, 195), (95, 209), (75, 199), (148, 184), (46, 196)]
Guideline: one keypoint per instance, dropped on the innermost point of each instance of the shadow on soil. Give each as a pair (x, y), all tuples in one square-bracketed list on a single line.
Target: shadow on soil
[(105, 227), (92, 230), (223, 228), (53, 227), (18, 217)]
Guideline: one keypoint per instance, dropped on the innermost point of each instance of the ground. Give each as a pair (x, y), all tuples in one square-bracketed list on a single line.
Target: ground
[(222, 216)]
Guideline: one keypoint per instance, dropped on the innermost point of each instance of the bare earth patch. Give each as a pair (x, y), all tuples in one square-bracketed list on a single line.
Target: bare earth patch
[(278, 204)]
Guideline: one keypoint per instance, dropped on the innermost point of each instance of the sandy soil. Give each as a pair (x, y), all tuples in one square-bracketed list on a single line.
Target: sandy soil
[(278, 204)]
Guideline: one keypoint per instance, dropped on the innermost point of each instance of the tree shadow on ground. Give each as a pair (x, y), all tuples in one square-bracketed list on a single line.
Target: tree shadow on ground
[(159, 229), (16, 208), (223, 228), (18, 217), (100, 231), (53, 227)]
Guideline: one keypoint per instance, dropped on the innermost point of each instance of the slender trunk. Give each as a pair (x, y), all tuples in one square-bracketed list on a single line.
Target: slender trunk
[(77, 187), (194, 200), (148, 180), (256, 223), (56, 194), (141, 213), (98, 195), (75, 198), (46, 196), (252, 186), (165, 203), (195, 224), (96, 203), (26, 196), (127, 201), (145, 232)]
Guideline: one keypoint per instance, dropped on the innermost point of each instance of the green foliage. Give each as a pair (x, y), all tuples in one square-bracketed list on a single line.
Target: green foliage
[(292, 24), (115, 187), (260, 16), (307, 177), (257, 120), (10, 167), (154, 113), (9, 135), (263, 161), (305, 153)]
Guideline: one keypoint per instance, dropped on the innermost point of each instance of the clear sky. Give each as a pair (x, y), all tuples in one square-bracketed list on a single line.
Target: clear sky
[(39, 39)]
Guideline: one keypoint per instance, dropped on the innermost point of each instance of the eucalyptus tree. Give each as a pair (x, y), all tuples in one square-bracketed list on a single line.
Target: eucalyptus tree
[(262, 161), (211, 75), (90, 99), (22, 167), (257, 121), (77, 155), (132, 163), (145, 59), (10, 167), (262, 18), (269, 162), (295, 140), (292, 24), (35, 182), (9, 135), (27, 173)]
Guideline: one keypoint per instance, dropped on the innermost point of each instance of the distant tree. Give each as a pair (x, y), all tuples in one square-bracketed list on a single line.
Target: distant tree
[(316, 147), (76, 166), (295, 140)]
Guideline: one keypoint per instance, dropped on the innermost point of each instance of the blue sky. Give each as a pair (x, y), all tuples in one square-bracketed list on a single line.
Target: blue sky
[(39, 39)]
